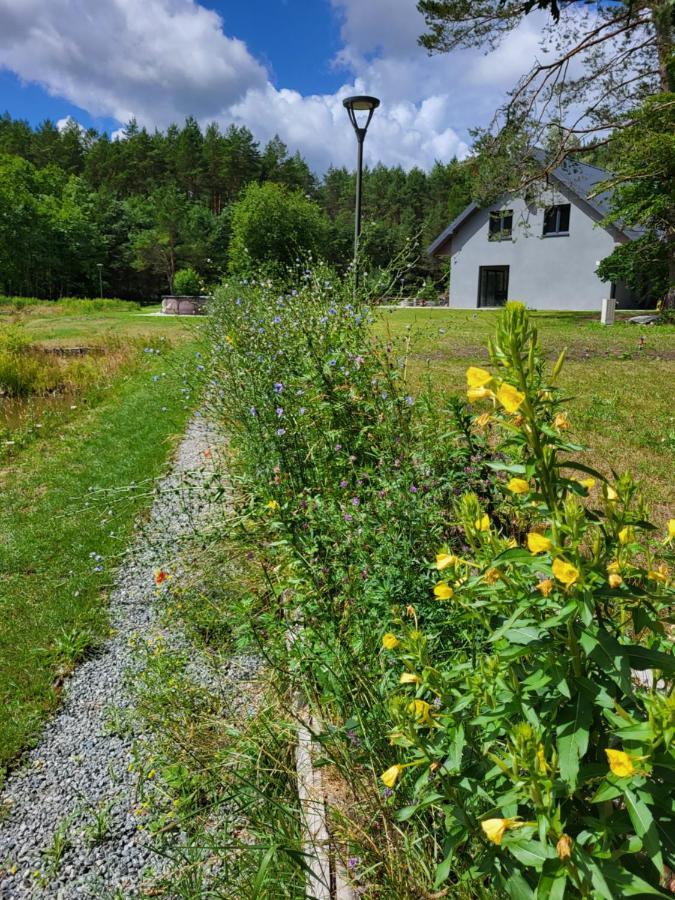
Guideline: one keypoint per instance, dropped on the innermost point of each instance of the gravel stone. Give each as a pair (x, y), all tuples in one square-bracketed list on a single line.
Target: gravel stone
[(79, 765)]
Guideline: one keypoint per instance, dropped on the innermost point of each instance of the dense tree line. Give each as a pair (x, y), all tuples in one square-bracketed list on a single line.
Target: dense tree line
[(151, 203)]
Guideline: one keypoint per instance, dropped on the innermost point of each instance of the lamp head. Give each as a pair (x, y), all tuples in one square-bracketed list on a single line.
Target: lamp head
[(364, 105)]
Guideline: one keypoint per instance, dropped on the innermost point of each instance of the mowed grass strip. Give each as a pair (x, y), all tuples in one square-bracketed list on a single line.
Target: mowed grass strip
[(619, 381), (68, 507), (50, 324)]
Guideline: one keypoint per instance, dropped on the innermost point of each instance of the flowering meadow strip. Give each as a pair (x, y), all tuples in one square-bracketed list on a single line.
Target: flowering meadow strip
[(491, 695)]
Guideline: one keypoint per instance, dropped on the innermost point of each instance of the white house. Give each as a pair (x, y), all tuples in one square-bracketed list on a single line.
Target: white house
[(543, 253)]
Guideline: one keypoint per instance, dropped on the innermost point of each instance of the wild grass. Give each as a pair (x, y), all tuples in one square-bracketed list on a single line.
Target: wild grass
[(68, 305), (618, 380)]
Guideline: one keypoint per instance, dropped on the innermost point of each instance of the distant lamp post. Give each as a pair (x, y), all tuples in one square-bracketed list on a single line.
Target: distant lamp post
[(99, 266), (360, 110)]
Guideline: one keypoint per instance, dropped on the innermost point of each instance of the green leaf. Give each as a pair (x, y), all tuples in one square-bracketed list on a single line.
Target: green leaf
[(643, 823), (529, 853), (580, 467), (644, 658), (517, 887), (627, 883), (552, 882), (606, 791), (608, 654), (572, 732)]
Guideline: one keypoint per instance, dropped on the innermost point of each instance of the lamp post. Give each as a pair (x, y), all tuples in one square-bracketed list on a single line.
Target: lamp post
[(99, 266), (366, 106)]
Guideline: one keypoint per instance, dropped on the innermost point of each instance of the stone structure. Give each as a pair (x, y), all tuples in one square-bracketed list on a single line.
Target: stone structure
[(184, 305)]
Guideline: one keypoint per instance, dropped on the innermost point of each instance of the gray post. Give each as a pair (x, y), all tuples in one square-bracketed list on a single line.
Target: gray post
[(608, 308), (359, 172)]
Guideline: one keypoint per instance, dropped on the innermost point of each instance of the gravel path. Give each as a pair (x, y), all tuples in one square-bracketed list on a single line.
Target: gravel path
[(79, 774)]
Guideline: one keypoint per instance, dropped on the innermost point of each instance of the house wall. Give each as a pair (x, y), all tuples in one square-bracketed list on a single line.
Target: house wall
[(553, 272)]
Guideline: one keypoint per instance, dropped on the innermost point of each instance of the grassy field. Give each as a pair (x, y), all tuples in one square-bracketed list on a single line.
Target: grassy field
[(619, 380), (76, 471)]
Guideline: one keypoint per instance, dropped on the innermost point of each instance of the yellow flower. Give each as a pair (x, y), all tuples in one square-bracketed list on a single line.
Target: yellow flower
[(588, 483), (613, 566), (482, 524), (545, 587), (615, 580), (561, 422), (409, 678), (443, 591), (476, 377), (626, 535), (509, 397), (391, 776), (492, 575), (537, 543), (518, 486), (660, 574), (671, 529), (564, 847), (620, 763), (541, 759), (611, 494), (483, 420), (272, 504), (478, 393), (420, 709), (494, 828), (443, 560), (390, 641), (229, 339), (565, 571)]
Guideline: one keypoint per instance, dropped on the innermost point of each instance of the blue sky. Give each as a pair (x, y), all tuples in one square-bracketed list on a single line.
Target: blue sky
[(278, 66)]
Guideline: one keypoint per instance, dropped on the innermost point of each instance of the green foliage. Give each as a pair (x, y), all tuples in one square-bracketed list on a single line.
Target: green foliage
[(643, 187), (187, 282), (274, 226), (547, 757), (151, 203)]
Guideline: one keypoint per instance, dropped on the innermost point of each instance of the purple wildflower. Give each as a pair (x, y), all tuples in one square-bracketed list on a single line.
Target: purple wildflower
[(279, 411), (355, 501), (281, 432), (347, 517), (344, 483), (278, 387), (413, 488)]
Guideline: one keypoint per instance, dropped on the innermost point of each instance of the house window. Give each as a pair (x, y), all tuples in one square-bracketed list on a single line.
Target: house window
[(501, 225), (557, 219)]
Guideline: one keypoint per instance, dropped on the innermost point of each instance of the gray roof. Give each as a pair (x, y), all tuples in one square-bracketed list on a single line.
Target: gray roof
[(578, 177)]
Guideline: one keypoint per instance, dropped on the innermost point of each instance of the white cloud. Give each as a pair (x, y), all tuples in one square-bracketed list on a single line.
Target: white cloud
[(161, 60)]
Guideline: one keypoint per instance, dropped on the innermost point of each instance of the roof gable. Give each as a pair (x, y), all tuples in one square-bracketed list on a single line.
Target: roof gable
[(578, 177)]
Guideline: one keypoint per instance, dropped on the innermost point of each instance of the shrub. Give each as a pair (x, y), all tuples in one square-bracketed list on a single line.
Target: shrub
[(187, 282), (273, 226)]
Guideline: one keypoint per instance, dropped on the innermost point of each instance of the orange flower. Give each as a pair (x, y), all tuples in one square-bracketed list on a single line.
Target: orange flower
[(545, 587), (160, 576)]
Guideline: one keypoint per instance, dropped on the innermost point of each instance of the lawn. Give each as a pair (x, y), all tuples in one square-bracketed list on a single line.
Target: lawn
[(76, 469), (619, 380)]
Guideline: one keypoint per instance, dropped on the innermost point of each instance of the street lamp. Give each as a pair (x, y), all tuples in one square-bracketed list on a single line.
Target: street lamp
[(366, 106), (99, 266)]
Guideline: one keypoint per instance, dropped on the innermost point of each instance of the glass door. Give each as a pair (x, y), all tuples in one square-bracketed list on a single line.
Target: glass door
[(493, 285)]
